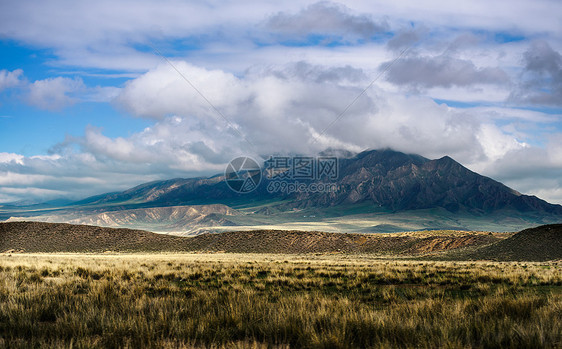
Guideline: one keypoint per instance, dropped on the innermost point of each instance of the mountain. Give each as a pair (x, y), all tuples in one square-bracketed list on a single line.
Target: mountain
[(383, 178), (373, 191), (399, 181)]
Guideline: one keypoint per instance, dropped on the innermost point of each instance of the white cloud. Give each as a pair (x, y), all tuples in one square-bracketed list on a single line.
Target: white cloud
[(163, 91), (57, 92), (54, 93), (9, 79), (11, 157), (283, 109), (282, 95), (112, 35)]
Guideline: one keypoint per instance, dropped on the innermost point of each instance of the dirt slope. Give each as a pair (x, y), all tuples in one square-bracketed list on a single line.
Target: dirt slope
[(535, 244), (58, 237), (62, 237)]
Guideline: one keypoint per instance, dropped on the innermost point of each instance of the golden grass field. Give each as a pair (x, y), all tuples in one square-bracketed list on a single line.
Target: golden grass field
[(270, 300)]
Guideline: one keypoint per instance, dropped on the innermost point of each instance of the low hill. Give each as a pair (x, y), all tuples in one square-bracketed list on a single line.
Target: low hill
[(282, 241), (536, 244), (60, 237)]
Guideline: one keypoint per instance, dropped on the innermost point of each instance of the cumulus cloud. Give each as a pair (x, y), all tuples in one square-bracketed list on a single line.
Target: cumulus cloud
[(287, 109), (529, 169), (11, 157), (9, 79), (274, 108), (331, 21), (163, 91), (281, 109), (95, 163), (54, 93), (541, 78), (172, 143)]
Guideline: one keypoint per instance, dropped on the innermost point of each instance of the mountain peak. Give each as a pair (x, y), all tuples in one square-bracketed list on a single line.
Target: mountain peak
[(385, 178)]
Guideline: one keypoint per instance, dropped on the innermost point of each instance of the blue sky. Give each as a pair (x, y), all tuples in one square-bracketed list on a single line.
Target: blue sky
[(93, 96)]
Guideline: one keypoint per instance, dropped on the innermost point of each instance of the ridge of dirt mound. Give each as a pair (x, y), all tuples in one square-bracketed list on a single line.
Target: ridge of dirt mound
[(281, 241), (535, 244), (61, 237)]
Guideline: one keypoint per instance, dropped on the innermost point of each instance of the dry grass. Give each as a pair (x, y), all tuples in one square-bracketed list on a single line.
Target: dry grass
[(310, 301)]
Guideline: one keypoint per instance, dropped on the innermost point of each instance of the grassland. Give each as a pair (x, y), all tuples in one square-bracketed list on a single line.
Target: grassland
[(260, 300)]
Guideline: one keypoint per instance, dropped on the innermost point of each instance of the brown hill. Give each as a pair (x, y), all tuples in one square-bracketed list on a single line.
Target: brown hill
[(536, 244), (59, 237), (62, 237), (281, 241)]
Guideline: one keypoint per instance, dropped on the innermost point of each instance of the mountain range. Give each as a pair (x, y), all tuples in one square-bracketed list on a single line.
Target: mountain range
[(374, 191)]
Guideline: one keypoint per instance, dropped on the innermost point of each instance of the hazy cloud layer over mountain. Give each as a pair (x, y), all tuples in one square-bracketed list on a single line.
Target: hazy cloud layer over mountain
[(88, 104)]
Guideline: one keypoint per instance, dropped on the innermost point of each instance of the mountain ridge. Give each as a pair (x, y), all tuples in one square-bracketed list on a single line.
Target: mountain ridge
[(387, 178), (375, 191)]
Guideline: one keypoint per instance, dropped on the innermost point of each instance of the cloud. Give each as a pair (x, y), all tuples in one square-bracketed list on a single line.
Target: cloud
[(274, 108), (172, 144), (54, 93), (307, 72), (280, 73), (163, 91), (529, 169), (287, 109), (95, 163), (442, 71), (328, 20), (110, 35), (407, 37), (186, 145), (11, 157), (541, 78), (9, 79), (120, 35)]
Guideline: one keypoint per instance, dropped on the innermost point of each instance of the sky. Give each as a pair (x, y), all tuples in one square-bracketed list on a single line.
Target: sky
[(102, 96)]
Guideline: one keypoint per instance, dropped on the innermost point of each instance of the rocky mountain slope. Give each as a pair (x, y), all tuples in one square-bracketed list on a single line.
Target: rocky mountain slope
[(177, 219), (385, 178), (399, 181)]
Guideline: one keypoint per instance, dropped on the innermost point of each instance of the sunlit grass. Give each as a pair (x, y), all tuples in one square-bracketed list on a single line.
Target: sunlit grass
[(313, 301)]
